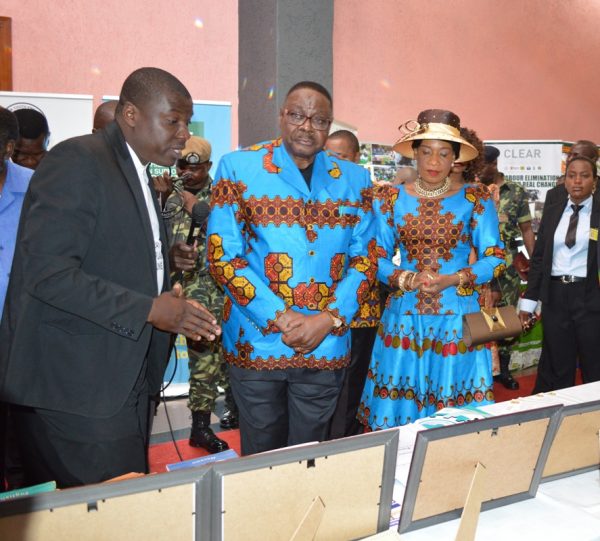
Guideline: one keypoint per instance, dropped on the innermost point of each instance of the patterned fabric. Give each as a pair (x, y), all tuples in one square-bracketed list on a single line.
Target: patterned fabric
[(419, 362), (206, 363), (369, 313), (275, 244)]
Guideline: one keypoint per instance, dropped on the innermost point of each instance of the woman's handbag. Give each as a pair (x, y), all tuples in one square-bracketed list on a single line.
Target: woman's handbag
[(490, 325)]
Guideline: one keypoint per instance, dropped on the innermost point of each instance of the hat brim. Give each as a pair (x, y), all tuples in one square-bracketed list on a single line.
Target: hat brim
[(439, 133)]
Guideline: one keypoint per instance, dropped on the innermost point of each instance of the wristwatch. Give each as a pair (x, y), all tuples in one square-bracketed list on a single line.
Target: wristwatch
[(337, 322)]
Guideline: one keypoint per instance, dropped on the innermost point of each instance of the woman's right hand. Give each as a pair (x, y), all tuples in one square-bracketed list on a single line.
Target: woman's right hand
[(432, 282), (421, 279)]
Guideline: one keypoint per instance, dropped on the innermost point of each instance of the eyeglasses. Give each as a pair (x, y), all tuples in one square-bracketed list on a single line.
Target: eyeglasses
[(320, 123)]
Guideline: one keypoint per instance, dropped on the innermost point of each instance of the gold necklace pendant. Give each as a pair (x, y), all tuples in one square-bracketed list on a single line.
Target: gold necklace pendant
[(426, 192)]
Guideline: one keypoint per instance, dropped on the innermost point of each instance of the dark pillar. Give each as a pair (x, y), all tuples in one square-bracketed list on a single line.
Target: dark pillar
[(281, 42)]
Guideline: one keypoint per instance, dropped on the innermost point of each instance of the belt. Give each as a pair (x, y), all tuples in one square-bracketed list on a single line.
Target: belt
[(568, 278)]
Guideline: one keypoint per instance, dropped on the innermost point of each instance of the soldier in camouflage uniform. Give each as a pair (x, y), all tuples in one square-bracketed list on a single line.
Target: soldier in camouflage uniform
[(515, 221), (207, 368)]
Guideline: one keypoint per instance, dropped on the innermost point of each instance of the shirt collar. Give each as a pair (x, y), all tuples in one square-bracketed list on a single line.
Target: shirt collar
[(139, 166), (586, 203)]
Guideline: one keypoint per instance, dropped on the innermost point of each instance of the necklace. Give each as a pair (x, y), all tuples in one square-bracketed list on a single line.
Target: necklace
[(426, 192)]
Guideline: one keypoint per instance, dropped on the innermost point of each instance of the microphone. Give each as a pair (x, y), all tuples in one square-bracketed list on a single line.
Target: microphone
[(200, 212)]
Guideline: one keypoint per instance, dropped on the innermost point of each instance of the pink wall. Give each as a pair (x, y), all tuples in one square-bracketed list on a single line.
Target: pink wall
[(88, 47), (515, 69)]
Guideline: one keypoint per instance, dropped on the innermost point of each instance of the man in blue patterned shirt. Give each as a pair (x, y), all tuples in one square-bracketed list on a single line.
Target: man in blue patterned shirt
[(290, 238)]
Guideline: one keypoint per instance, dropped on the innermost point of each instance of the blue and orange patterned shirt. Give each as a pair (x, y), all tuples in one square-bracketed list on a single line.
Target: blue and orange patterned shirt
[(274, 243)]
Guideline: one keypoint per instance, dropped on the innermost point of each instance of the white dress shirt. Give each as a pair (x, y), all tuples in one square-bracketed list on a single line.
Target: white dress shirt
[(572, 261), (568, 261), (143, 177)]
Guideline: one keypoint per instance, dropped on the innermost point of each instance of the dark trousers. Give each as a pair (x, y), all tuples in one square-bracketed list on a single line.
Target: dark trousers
[(344, 422), (279, 408), (11, 468), (75, 450), (571, 334)]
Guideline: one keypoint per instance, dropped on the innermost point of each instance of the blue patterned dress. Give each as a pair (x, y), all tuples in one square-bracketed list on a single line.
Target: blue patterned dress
[(420, 363)]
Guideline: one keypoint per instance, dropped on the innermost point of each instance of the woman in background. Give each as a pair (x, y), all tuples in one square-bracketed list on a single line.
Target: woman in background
[(420, 362), (467, 171)]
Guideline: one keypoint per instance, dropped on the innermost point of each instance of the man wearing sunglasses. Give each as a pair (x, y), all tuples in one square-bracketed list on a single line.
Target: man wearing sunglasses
[(290, 237)]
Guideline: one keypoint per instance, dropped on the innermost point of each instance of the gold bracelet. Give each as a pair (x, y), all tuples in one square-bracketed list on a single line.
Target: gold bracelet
[(401, 279), (411, 281), (461, 280)]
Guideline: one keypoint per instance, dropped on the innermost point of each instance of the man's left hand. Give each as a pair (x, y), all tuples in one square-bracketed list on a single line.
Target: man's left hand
[(309, 334), (183, 256)]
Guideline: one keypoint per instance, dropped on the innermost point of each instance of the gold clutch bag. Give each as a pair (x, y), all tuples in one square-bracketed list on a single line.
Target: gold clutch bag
[(490, 325)]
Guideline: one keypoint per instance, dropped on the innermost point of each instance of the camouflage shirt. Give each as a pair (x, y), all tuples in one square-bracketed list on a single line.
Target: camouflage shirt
[(179, 225), (513, 210)]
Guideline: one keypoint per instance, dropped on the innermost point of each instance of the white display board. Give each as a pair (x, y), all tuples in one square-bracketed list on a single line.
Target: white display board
[(534, 164), (68, 115)]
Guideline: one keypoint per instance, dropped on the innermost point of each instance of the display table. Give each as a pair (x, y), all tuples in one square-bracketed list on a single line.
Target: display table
[(567, 508)]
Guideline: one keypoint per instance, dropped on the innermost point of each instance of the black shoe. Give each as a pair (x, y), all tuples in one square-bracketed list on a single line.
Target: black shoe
[(203, 436), (508, 381), (229, 420)]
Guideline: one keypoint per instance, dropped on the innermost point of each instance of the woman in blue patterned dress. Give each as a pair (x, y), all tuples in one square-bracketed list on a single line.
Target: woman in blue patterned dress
[(420, 363)]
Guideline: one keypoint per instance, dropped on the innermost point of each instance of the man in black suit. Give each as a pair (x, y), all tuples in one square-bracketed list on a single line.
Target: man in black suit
[(564, 276), (87, 324)]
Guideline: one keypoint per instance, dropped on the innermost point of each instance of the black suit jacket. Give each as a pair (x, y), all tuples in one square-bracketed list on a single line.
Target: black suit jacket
[(556, 194), (538, 283), (74, 334)]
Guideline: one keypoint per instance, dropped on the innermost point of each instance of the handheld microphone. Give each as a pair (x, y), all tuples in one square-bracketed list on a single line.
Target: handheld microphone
[(200, 212)]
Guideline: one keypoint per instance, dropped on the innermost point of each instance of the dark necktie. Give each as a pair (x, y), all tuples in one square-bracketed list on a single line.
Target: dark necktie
[(572, 229)]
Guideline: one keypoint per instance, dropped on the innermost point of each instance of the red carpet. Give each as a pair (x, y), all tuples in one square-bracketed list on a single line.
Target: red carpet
[(526, 383), (162, 454)]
